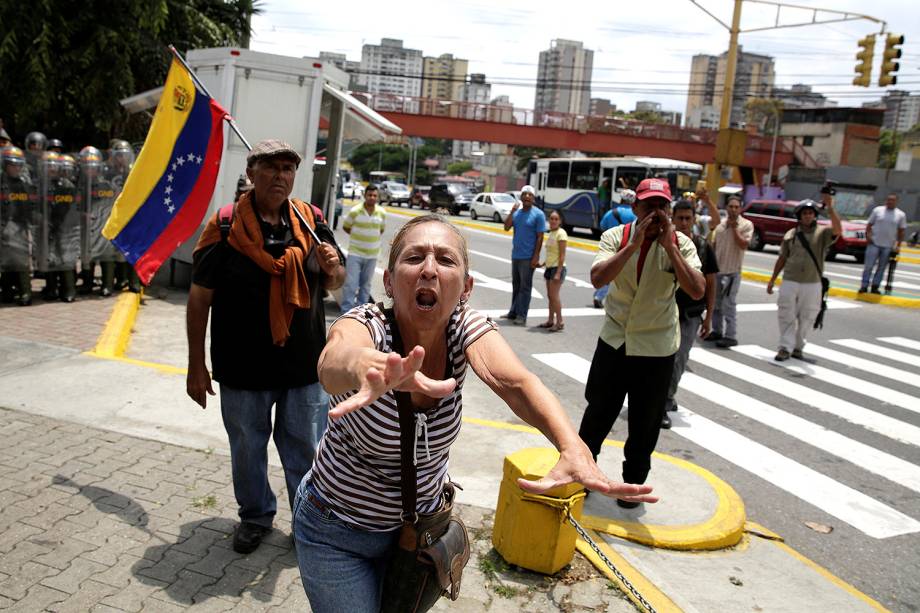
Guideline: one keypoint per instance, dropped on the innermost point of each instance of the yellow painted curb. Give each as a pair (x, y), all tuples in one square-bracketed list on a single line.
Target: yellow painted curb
[(113, 342), (724, 529), (842, 292), (649, 591), (164, 368)]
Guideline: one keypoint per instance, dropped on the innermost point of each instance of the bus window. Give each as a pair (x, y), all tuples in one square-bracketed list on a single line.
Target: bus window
[(531, 172), (584, 175), (558, 174), (629, 178)]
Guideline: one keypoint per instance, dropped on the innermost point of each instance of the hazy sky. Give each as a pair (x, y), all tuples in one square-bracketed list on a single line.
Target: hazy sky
[(642, 50)]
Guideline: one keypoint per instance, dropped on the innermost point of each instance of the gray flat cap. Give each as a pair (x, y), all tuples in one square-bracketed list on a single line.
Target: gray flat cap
[(270, 148)]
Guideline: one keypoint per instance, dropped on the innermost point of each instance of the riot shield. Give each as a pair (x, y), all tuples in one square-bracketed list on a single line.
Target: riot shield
[(62, 219), (97, 196), (17, 209)]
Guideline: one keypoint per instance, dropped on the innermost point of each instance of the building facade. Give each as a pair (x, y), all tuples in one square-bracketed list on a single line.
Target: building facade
[(800, 96), (836, 136), (342, 63), (391, 72), (564, 78), (902, 110), (754, 77), (476, 95), (443, 78)]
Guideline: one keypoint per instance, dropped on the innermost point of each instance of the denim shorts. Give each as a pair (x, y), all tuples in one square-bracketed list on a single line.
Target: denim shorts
[(549, 273)]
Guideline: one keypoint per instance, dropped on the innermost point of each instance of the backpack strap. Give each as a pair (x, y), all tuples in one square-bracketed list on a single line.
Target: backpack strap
[(624, 240), (225, 220)]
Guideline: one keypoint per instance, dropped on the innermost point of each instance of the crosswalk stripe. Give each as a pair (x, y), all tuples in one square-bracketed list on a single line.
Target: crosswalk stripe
[(865, 456), (882, 352), (851, 506), (901, 341), (853, 384), (853, 413), (882, 370)]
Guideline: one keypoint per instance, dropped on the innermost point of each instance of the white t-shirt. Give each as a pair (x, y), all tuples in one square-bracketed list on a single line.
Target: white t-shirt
[(885, 223)]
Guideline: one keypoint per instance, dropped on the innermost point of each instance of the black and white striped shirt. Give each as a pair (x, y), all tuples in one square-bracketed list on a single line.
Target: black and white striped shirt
[(357, 465)]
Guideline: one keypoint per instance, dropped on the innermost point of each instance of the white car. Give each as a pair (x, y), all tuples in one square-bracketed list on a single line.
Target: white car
[(393, 192), (353, 189), (491, 205)]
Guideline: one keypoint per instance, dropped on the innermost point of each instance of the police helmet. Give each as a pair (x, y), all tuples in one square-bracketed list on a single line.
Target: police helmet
[(37, 139), (627, 196), (51, 162), (68, 165), (12, 155), (55, 144), (806, 204), (90, 157), (118, 144)]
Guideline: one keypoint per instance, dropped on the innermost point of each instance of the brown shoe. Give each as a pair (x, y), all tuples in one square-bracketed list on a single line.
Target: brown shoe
[(782, 355)]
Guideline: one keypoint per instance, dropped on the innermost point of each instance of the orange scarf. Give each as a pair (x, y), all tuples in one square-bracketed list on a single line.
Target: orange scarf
[(289, 289)]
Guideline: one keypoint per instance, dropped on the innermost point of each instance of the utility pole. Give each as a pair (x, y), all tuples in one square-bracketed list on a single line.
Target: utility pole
[(714, 170)]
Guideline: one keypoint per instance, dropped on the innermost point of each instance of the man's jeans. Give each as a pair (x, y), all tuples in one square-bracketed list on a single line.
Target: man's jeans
[(521, 287), (359, 272), (874, 254), (300, 420), (341, 567), (727, 286), (688, 330)]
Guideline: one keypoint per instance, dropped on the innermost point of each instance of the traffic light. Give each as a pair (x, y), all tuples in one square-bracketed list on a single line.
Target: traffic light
[(864, 67), (887, 77)]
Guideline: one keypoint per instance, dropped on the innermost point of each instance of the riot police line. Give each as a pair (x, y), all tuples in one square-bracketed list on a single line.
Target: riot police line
[(53, 206)]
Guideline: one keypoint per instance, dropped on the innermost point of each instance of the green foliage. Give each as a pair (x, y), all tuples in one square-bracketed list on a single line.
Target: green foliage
[(65, 65), (524, 155), (459, 167), (889, 143), (763, 112), (646, 116)]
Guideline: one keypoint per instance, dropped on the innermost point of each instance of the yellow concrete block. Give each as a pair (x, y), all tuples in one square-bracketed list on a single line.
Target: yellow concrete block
[(532, 531)]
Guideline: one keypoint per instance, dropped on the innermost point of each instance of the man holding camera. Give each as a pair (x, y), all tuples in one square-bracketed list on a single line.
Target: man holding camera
[(730, 239), (802, 256), (885, 230)]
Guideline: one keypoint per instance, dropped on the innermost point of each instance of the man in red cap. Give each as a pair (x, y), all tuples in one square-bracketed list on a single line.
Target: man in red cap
[(644, 262)]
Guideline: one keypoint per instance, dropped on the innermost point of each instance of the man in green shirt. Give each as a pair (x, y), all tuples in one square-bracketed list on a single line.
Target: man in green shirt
[(644, 262), (801, 292)]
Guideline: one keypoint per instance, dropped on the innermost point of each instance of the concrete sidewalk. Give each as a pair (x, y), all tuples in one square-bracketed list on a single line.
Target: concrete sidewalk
[(115, 495)]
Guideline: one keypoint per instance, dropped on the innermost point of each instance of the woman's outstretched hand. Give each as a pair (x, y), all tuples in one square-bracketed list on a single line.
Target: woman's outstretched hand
[(398, 373), (579, 467)]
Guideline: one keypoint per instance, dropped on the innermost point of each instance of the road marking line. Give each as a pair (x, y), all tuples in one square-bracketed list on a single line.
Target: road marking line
[(864, 456), (901, 341), (883, 352), (882, 370), (848, 411), (862, 512), (847, 382)]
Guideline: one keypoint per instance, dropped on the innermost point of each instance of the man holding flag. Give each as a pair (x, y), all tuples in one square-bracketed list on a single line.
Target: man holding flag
[(261, 273)]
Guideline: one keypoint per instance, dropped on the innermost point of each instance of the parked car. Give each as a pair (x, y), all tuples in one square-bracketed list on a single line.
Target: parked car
[(491, 205), (394, 192), (516, 194), (451, 196), (773, 218), (353, 189), (419, 196)]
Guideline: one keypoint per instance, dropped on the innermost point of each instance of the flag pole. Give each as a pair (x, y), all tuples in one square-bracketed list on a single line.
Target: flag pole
[(229, 119)]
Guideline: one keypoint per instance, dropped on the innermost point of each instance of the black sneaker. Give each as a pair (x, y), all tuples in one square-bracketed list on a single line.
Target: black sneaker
[(862, 290), (248, 536), (665, 421), (726, 342), (782, 355), (713, 336), (797, 354), (875, 289), (627, 504), (598, 304)]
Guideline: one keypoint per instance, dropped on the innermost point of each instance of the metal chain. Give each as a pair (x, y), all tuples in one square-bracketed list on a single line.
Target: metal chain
[(629, 586)]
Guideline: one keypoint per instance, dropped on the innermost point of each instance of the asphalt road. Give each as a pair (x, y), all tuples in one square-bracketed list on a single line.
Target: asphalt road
[(834, 441)]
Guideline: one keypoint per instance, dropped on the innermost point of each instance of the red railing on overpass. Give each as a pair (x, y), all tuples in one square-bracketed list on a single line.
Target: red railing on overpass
[(506, 124)]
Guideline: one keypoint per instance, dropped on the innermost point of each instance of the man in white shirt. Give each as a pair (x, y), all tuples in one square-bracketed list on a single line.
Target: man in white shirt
[(884, 232)]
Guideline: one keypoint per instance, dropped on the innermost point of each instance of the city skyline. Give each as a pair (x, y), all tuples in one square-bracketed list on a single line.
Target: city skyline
[(624, 69)]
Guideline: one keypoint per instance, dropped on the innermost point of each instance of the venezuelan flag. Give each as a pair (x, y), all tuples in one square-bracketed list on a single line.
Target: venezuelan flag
[(167, 193)]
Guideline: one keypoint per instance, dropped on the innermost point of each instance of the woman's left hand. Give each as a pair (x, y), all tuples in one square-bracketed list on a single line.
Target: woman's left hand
[(579, 467)]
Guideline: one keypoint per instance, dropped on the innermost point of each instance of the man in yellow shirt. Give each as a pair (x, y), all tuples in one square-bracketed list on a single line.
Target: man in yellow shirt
[(641, 333)]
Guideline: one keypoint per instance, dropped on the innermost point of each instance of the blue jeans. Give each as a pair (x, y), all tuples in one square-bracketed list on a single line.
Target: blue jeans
[(300, 420), (521, 286), (601, 293), (874, 254), (359, 272), (341, 567)]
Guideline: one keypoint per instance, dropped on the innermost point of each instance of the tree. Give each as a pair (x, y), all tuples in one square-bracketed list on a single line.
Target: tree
[(459, 167), (65, 65), (889, 142), (379, 156), (763, 112), (646, 116), (525, 154)]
